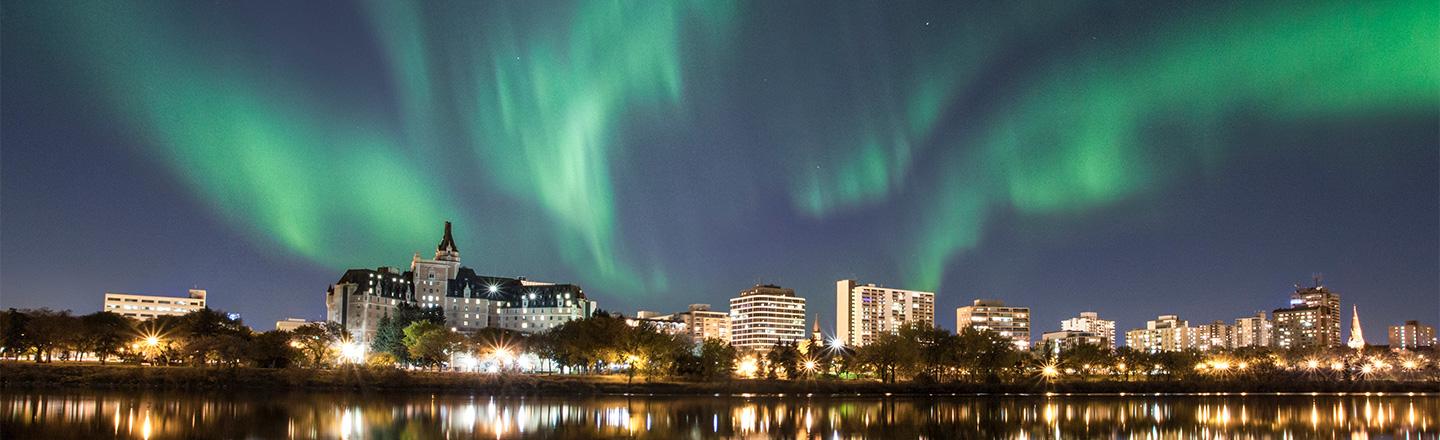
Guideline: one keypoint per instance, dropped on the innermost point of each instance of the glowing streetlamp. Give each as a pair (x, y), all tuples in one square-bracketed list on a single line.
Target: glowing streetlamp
[(1049, 371), (351, 352), (152, 341), (747, 367)]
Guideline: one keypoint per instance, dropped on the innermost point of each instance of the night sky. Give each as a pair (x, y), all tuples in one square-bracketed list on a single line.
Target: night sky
[(1132, 158)]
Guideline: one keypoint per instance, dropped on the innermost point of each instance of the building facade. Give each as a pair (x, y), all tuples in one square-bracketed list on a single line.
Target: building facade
[(146, 307), (766, 315), (701, 323), (1252, 331), (1165, 333), (468, 300), (1217, 335), (866, 311), (1311, 321), (290, 324), (1064, 340), (1411, 335), (1090, 322), (1013, 323)]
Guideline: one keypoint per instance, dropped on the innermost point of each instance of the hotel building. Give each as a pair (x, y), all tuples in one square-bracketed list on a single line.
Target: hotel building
[(146, 307), (1090, 322), (766, 315), (469, 301), (1311, 321), (1411, 335), (866, 311), (1013, 323)]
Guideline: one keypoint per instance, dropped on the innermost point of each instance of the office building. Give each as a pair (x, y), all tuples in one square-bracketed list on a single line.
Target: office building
[(1411, 335), (1252, 331), (866, 311), (1090, 322), (468, 300), (766, 315), (1013, 323), (1311, 321), (1165, 333), (146, 307)]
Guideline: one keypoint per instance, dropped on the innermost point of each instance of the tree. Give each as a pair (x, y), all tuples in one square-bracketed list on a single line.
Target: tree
[(271, 349), (430, 344), (1087, 358), (887, 354), (784, 359), (390, 339), (317, 342), (984, 354), (716, 359), (48, 331), (106, 333), (14, 340)]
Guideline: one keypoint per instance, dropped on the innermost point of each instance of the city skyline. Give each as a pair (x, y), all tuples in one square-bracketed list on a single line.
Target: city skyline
[(1062, 158)]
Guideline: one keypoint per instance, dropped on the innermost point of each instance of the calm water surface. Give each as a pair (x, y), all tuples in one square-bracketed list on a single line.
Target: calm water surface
[(164, 415)]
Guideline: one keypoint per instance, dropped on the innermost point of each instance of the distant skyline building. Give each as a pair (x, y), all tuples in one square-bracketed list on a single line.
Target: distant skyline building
[(290, 324), (1090, 322), (1013, 323), (1164, 333), (1252, 331), (469, 301), (1217, 335), (866, 311), (1411, 335), (1311, 321), (766, 315), (1064, 340), (147, 307), (698, 322)]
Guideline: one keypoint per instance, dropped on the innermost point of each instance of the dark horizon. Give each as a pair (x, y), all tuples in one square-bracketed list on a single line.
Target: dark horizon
[(1135, 161)]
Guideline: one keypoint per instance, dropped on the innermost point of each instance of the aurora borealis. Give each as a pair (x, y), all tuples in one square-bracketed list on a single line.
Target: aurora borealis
[(1064, 156)]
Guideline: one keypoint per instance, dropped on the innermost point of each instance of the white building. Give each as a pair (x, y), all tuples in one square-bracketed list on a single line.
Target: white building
[(290, 324), (1165, 333), (766, 315), (1214, 336), (145, 307), (1090, 322), (1013, 323), (866, 311)]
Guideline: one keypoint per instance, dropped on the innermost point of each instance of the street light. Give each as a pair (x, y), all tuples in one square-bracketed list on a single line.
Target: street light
[(152, 340)]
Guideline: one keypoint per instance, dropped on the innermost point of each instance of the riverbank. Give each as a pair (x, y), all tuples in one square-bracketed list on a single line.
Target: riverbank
[(17, 375)]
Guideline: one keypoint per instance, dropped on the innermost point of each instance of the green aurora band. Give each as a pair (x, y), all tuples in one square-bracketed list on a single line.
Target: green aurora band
[(543, 100)]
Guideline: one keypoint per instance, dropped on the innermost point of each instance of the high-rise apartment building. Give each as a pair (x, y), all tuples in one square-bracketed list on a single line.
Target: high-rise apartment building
[(1311, 321), (1165, 333), (1217, 335), (1013, 323), (1252, 331), (766, 315), (1411, 335), (702, 323), (1090, 322), (866, 311), (146, 307)]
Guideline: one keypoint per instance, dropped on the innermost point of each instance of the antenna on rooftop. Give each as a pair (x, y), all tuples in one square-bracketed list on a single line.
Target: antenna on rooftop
[(1318, 277)]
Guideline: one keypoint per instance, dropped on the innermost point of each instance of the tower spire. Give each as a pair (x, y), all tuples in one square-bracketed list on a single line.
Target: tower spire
[(447, 251), (1357, 336)]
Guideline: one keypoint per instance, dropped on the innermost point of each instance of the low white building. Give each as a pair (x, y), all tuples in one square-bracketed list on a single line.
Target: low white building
[(146, 307)]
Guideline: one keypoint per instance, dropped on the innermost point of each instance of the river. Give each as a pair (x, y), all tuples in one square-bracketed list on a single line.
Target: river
[(165, 415)]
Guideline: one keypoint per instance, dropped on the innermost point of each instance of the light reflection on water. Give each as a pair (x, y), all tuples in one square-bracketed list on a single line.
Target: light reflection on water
[(161, 415)]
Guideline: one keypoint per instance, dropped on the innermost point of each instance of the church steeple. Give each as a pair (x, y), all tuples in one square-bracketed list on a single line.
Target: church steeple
[(447, 251), (1357, 336)]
